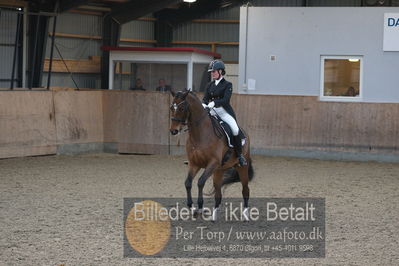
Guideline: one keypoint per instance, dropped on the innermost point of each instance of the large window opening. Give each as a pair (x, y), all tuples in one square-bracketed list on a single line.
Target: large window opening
[(341, 78), (149, 76)]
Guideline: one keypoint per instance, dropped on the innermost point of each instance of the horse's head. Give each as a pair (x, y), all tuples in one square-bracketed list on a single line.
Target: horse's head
[(179, 110)]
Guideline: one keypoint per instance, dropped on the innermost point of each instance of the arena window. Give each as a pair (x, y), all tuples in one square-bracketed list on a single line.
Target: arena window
[(132, 75), (341, 78)]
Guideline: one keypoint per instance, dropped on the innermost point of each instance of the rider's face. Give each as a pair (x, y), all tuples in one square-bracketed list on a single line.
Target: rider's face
[(215, 74)]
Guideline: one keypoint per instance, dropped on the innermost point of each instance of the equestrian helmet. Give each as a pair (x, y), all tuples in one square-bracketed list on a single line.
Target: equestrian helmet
[(216, 65)]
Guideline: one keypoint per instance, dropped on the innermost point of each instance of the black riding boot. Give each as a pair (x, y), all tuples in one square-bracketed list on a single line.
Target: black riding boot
[(238, 148)]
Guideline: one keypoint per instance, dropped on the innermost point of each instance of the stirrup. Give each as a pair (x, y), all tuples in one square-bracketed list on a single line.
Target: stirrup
[(241, 160)]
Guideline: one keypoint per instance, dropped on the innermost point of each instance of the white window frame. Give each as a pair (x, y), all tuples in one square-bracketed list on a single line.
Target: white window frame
[(358, 98)]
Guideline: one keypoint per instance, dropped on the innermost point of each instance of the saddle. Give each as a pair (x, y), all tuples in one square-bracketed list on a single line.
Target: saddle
[(226, 130)]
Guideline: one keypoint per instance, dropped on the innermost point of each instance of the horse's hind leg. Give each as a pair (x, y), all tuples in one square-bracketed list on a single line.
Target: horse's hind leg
[(217, 184), (189, 181), (244, 178)]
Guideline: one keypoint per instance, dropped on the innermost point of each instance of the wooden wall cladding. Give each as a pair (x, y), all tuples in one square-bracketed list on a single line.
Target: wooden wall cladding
[(79, 116), (138, 121), (303, 122), (35, 122), (26, 123)]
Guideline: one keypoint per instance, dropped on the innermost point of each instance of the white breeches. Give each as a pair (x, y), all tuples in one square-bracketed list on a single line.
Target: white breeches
[(226, 117)]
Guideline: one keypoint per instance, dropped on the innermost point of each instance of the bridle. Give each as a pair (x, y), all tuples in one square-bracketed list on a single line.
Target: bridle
[(187, 114), (175, 107)]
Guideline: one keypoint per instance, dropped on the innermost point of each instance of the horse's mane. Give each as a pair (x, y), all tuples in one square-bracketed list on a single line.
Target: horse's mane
[(194, 96)]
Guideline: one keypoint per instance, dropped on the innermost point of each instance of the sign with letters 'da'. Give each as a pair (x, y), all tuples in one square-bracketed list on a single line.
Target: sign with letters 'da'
[(391, 32)]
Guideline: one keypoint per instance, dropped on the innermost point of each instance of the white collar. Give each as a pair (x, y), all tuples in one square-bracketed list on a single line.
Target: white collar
[(218, 80)]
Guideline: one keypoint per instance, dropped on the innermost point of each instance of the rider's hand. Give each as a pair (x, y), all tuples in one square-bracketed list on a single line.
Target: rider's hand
[(204, 105), (211, 105)]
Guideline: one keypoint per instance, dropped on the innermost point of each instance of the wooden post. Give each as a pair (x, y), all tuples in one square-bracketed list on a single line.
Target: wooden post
[(213, 47)]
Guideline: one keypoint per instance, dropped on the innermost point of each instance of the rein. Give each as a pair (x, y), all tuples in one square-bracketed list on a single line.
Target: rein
[(217, 128)]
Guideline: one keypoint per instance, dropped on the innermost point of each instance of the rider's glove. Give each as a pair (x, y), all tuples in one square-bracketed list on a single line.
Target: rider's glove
[(211, 105), (204, 105)]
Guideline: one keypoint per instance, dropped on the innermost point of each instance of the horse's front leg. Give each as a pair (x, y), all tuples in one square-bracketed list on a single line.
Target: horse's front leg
[(201, 183), (192, 172), (217, 184)]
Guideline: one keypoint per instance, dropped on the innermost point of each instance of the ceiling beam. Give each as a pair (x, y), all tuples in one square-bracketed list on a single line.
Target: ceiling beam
[(116, 1), (194, 11), (66, 5), (95, 8), (13, 3), (123, 13)]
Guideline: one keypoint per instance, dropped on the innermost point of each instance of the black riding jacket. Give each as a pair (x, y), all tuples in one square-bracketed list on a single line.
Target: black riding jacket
[(220, 94)]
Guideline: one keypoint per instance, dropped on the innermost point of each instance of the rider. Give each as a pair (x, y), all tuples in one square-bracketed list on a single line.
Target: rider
[(217, 98)]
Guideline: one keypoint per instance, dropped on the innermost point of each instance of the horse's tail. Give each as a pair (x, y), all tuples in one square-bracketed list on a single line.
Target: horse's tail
[(231, 176)]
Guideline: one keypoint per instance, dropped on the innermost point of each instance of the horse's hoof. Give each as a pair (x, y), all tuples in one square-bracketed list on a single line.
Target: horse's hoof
[(196, 212), (215, 214), (193, 211), (245, 215)]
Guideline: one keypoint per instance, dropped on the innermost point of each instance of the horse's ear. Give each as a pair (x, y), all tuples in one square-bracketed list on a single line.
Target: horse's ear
[(172, 92), (185, 94)]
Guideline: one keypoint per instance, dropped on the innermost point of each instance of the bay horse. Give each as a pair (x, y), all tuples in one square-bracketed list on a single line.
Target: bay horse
[(206, 149)]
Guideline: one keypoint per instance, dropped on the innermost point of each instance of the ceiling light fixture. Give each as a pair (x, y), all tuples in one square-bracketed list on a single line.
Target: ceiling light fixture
[(189, 1), (353, 60)]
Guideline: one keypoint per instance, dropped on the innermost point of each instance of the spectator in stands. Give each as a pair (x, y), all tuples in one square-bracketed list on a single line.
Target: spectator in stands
[(162, 86), (351, 92), (138, 86)]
